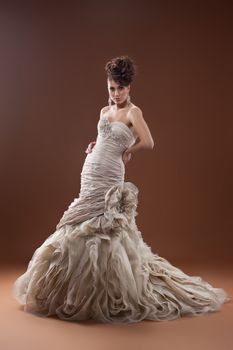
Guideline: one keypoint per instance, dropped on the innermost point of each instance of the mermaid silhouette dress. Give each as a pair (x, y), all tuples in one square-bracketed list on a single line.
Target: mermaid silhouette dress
[(96, 264)]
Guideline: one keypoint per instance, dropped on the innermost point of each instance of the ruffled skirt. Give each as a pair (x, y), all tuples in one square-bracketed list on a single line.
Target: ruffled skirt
[(102, 269)]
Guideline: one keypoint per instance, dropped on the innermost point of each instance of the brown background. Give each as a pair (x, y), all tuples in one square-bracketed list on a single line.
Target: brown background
[(53, 86)]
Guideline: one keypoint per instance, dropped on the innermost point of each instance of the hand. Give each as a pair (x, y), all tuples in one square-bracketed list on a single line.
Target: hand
[(90, 146), (126, 156)]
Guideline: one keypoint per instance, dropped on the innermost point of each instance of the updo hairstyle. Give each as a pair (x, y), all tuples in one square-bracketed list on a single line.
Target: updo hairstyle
[(121, 69)]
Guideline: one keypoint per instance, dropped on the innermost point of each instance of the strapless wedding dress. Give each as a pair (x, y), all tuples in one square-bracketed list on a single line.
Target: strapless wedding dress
[(96, 264)]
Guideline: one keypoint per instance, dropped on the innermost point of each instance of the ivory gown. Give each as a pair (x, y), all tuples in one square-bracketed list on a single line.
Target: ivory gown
[(96, 264)]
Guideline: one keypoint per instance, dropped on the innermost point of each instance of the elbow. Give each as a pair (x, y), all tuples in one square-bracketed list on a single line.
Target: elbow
[(150, 145)]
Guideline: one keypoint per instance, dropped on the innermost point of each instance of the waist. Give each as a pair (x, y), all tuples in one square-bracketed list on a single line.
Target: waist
[(107, 150)]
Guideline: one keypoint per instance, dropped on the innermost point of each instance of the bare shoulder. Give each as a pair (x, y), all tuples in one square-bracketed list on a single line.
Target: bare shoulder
[(140, 126), (135, 112), (103, 110)]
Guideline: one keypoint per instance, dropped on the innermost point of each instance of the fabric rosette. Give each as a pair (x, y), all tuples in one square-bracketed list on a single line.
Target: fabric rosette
[(121, 202)]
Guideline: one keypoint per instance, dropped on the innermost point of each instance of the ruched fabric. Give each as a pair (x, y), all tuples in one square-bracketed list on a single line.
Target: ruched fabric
[(96, 264)]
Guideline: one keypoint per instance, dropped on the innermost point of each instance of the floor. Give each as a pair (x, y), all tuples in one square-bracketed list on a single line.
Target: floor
[(20, 330)]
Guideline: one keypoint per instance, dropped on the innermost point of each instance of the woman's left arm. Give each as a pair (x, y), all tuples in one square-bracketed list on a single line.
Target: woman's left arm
[(142, 130)]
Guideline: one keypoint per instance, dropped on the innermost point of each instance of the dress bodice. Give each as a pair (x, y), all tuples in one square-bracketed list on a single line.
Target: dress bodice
[(116, 132)]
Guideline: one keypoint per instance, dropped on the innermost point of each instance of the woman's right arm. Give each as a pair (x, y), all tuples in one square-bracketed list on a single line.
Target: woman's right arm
[(90, 146)]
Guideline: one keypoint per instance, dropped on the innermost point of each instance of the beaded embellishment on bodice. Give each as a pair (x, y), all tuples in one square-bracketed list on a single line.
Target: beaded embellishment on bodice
[(116, 131)]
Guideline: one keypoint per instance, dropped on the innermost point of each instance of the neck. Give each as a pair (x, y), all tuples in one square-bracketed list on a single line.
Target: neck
[(121, 105)]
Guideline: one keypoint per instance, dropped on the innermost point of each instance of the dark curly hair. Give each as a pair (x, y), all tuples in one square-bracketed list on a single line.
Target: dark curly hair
[(121, 69)]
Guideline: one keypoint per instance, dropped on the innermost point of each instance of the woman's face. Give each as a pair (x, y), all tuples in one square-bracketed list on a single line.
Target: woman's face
[(118, 93)]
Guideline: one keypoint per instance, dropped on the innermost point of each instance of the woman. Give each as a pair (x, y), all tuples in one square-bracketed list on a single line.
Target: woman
[(96, 264), (125, 111)]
